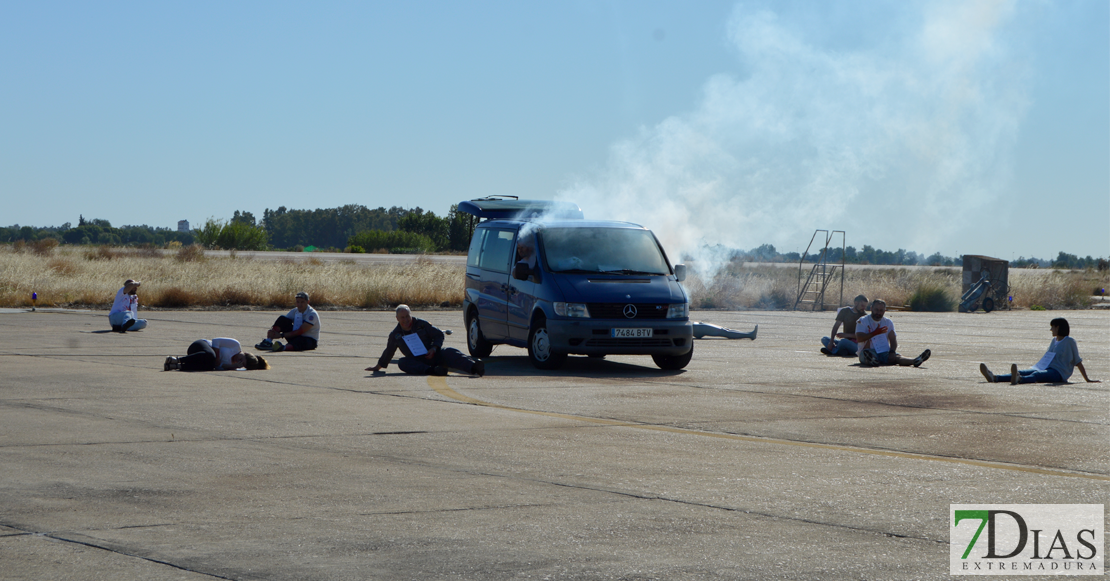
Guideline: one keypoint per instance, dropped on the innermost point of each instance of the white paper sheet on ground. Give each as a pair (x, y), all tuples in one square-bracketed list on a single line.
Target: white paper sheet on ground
[(415, 345), (1044, 362)]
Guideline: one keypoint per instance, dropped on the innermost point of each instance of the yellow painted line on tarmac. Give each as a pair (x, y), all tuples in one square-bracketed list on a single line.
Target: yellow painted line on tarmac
[(439, 384)]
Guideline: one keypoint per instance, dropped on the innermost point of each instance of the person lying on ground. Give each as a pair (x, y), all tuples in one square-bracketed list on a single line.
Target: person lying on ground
[(300, 327), (216, 354), (422, 346), (878, 343), (847, 316), (124, 315), (1055, 366)]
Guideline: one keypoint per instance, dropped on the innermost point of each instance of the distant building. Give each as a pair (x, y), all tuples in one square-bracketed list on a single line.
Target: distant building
[(182, 225)]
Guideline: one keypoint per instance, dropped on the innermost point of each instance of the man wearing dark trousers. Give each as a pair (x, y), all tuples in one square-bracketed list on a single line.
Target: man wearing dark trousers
[(300, 328), (422, 346)]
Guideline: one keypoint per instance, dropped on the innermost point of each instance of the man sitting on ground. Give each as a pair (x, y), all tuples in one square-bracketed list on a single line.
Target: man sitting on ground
[(847, 316), (422, 346), (300, 327), (878, 344), (124, 315)]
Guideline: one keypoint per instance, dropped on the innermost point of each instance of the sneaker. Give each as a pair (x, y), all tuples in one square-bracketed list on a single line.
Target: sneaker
[(171, 364), (986, 373), (277, 347), (922, 358), (869, 359), (117, 329), (826, 351), (438, 370), (479, 369), (127, 325), (1015, 377), (265, 345)]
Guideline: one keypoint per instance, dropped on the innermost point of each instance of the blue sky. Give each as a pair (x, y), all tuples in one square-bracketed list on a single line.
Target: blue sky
[(958, 127)]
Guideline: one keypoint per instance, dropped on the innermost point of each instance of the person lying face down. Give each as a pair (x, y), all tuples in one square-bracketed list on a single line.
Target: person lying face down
[(217, 354)]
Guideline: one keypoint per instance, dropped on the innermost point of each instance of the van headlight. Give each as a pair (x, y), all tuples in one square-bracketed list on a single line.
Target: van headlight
[(679, 311), (572, 310)]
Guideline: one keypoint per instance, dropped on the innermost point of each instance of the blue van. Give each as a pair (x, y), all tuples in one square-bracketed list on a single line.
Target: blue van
[(540, 276)]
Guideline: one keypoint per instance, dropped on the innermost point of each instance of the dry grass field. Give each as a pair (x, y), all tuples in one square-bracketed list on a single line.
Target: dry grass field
[(89, 277), (188, 279), (774, 287)]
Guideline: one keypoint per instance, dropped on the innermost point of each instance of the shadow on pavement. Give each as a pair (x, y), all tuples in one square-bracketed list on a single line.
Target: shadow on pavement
[(575, 366)]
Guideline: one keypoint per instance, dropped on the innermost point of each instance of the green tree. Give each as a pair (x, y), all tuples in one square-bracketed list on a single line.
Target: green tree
[(231, 235), (460, 228), (428, 224), (244, 218)]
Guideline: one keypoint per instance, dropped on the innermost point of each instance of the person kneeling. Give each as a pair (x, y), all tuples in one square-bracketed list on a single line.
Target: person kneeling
[(422, 346), (217, 354)]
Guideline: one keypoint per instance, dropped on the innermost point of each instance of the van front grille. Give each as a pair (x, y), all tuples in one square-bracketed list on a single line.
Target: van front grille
[(616, 310)]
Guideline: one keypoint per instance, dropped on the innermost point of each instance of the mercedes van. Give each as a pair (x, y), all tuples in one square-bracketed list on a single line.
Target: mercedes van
[(541, 277)]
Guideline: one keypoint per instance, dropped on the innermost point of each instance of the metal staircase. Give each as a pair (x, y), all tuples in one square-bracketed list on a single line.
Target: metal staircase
[(812, 291)]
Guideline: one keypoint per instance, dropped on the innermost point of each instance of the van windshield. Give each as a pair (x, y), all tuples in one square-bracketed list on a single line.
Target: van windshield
[(608, 250)]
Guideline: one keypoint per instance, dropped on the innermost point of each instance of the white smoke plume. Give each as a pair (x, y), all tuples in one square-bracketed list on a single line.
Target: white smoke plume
[(899, 144)]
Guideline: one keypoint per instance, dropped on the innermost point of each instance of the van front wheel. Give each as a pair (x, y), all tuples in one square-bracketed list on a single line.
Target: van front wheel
[(475, 341), (540, 350), (674, 362)]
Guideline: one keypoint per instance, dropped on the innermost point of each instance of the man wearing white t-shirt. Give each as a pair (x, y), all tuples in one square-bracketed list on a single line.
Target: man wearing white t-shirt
[(300, 328), (878, 343), (124, 315)]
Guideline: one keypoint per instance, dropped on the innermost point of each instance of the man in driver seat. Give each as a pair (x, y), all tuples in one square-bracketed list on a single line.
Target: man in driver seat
[(526, 254)]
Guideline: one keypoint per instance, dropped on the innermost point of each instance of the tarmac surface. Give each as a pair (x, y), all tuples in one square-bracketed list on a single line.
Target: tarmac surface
[(762, 460)]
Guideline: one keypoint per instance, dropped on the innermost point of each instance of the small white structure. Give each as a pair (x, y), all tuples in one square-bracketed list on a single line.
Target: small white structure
[(182, 225)]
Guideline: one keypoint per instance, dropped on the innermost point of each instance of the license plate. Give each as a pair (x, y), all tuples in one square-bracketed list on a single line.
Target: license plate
[(633, 333)]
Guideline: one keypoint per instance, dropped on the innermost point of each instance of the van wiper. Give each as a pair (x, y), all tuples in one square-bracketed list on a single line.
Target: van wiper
[(629, 271), (577, 271)]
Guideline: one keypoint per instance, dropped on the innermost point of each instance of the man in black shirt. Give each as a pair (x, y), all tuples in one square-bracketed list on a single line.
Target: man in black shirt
[(846, 346), (422, 346)]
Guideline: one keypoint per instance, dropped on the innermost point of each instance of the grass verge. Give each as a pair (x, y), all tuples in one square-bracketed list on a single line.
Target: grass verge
[(187, 278)]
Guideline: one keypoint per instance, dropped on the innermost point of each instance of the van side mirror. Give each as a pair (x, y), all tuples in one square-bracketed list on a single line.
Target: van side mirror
[(680, 272), (521, 271)]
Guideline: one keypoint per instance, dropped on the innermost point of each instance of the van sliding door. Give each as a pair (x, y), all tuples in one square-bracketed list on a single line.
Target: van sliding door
[(493, 284)]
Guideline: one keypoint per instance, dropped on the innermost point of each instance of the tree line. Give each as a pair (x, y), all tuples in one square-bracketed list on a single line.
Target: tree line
[(97, 231), (900, 257), (356, 228), (352, 228)]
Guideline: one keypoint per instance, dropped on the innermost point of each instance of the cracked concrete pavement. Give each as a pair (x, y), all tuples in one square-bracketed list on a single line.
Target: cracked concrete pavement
[(761, 460)]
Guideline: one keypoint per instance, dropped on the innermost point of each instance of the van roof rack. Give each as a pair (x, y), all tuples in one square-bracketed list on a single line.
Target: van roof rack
[(513, 208)]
